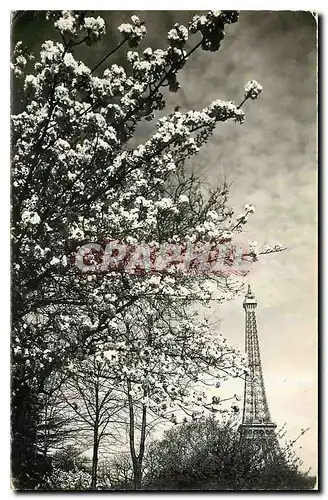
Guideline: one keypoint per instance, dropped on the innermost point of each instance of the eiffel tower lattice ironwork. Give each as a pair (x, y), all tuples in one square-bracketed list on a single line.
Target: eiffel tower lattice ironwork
[(256, 424)]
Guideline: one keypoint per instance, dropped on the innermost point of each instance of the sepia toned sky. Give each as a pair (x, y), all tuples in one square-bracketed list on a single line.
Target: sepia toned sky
[(271, 163)]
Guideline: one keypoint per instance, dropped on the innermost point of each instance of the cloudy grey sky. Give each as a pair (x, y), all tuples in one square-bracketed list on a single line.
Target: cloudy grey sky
[(271, 163)]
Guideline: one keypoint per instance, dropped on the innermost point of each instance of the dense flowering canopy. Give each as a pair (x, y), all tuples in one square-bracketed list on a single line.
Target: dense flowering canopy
[(162, 360), (76, 180)]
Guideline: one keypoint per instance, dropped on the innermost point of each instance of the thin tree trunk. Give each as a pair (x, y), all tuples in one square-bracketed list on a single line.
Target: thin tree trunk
[(136, 469), (95, 436), (141, 446), (136, 459), (95, 458)]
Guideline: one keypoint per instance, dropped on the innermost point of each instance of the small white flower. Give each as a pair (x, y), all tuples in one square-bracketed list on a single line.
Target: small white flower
[(95, 25), (134, 32), (71, 176), (249, 208), (183, 198), (148, 52), (178, 35), (77, 234), (62, 144), (252, 89), (30, 217), (31, 80), (135, 20), (54, 261), (66, 23), (164, 203)]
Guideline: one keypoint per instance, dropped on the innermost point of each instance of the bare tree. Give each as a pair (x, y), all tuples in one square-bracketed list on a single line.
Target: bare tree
[(95, 407)]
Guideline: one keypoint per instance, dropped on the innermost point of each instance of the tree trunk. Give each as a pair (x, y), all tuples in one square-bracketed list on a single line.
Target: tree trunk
[(28, 466), (96, 438), (137, 476), (136, 459), (95, 459)]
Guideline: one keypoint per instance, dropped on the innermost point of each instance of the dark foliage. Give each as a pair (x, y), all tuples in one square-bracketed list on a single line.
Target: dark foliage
[(206, 455)]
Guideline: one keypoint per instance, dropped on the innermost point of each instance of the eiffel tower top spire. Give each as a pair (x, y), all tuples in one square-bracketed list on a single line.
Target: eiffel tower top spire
[(250, 298)]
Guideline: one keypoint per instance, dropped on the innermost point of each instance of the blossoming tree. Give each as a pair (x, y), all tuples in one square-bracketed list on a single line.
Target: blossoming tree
[(75, 180), (162, 359)]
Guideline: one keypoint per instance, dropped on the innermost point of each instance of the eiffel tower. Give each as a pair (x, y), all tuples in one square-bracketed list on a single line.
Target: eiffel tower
[(256, 425)]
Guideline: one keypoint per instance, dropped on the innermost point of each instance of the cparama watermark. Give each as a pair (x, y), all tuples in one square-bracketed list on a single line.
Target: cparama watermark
[(112, 256)]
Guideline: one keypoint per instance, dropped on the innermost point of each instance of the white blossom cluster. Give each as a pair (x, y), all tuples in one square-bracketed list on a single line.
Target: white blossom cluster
[(76, 25), (178, 36), (96, 26), (21, 57), (69, 480), (211, 26), (29, 217), (253, 89), (134, 32), (66, 23), (242, 218), (225, 110)]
